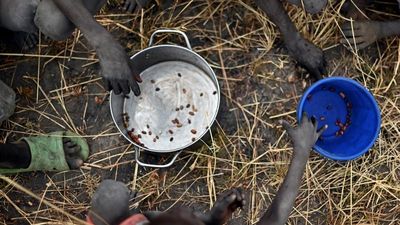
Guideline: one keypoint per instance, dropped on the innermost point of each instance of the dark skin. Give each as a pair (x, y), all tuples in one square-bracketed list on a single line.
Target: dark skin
[(132, 6), (57, 19), (49, 15), (24, 22), (298, 47), (295, 43), (303, 138), (18, 155), (362, 32), (25, 32), (117, 71), (110, 205)]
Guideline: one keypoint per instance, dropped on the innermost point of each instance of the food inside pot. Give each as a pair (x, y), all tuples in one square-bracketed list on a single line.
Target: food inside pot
[(177, 106)]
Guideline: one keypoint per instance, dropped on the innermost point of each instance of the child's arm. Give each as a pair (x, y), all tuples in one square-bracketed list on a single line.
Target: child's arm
[(303, 138)]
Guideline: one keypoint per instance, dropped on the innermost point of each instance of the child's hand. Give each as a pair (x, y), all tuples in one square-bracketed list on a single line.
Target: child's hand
[(305, 135), (117, 70)]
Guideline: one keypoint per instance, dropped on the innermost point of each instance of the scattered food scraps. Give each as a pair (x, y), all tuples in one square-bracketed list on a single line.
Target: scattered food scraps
[(98, 100), (125, 119)]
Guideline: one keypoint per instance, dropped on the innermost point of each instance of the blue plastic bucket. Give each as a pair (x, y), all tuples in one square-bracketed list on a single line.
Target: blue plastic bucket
[(351, 112)]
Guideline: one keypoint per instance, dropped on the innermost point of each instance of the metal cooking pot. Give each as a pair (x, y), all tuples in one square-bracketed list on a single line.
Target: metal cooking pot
[(179, 102)]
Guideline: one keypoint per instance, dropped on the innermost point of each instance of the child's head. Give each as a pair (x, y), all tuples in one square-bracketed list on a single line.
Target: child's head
[(110, 203)]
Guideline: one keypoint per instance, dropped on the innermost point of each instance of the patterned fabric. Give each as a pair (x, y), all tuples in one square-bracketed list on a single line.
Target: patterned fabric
[(137, 219)]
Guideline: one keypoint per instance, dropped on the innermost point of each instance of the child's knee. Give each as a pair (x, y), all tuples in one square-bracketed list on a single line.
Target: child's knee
[(52, 22)]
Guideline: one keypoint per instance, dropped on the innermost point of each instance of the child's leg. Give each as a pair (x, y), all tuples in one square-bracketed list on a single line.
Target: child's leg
[(294, 42), (18, 155), (54, 24), (14, 155), (17, 15)]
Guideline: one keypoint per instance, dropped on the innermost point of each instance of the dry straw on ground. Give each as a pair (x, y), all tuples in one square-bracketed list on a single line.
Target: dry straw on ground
[(250, 150)]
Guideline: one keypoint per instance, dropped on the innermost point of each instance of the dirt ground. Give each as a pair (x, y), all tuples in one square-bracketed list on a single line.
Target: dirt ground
[(58, 84)]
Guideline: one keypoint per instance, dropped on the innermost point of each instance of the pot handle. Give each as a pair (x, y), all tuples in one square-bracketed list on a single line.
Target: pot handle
[(155, 165), (151, 42)]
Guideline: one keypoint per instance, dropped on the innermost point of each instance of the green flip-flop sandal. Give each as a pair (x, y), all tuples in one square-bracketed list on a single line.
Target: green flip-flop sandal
[(47, 152)]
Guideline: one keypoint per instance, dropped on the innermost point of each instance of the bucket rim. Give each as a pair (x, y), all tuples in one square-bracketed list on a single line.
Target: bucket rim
[(369, 96)]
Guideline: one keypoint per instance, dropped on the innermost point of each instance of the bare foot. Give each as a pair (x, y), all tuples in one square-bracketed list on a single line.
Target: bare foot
[(18, 155), (311, 6), (308, 55), (360, 34), (72, 154)]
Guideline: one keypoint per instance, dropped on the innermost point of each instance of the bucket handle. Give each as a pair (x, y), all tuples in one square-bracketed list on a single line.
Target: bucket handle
[(155, 165), (151, 42)]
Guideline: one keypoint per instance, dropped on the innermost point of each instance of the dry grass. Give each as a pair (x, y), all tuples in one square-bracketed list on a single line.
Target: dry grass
[(250, 150)]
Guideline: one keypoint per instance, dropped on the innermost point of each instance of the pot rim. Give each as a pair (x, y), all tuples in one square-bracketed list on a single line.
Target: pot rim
[(213, 120)]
